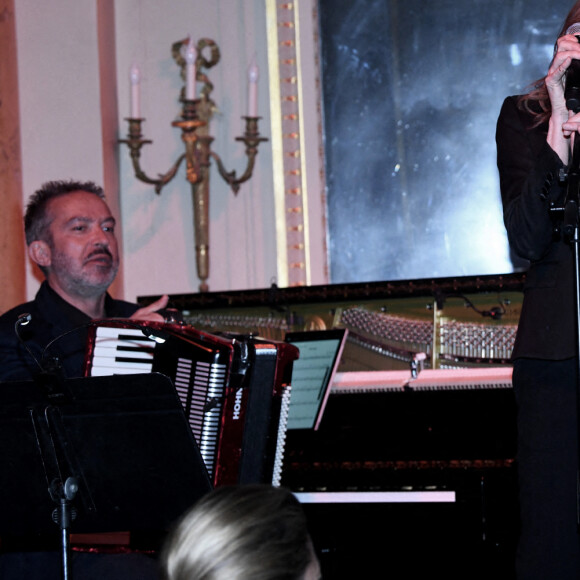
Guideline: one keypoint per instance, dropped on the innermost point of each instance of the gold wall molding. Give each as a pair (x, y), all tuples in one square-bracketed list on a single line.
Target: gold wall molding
[(291, 192)]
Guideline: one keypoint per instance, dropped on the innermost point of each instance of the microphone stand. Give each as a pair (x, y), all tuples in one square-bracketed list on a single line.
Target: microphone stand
[(61, 490), (50, 436), (571, 232), (63, 494)]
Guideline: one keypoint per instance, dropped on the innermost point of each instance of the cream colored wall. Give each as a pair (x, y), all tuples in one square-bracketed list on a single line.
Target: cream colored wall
[(62, 133), (159, 236), (59, 95)]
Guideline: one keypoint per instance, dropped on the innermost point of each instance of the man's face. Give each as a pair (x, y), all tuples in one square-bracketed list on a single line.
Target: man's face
[(83, 253)]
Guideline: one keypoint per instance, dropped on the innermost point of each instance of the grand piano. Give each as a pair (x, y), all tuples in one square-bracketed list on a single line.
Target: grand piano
[(414, 460)]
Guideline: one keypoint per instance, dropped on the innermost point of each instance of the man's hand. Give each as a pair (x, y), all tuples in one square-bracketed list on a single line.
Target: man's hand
[(150, 312)]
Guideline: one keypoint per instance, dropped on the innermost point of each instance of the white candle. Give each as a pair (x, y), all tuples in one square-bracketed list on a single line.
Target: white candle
[(135, 76), (253, 74), (190, 72)]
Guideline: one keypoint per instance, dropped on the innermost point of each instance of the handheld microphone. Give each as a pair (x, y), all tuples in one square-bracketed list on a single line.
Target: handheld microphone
[(572, 86)]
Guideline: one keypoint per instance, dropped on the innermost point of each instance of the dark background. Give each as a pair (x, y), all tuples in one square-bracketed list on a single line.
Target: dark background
[(411, 95)]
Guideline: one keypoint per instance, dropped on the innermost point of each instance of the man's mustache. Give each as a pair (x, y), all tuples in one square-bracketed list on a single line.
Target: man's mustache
[(100, 252)]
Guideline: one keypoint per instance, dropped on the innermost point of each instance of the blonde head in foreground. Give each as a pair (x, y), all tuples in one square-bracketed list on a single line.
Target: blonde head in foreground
[(256, 532)]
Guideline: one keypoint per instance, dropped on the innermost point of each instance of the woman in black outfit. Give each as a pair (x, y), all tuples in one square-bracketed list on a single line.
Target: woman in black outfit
[(535, 133)]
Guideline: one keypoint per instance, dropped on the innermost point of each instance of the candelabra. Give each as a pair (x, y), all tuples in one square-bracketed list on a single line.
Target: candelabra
[(194, 124)]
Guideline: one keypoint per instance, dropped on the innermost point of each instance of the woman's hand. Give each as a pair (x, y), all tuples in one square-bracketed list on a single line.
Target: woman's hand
[(563, 123), (572, 124), (567, 49)]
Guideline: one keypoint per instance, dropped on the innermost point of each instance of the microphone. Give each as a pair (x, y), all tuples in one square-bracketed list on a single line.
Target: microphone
[(572, 87), (22, 320)]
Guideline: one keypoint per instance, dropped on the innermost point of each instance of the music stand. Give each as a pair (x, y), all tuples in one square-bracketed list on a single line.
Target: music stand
[(124, 441)]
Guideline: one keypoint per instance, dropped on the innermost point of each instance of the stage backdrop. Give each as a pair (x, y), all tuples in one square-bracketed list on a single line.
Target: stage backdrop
[(411, 95)]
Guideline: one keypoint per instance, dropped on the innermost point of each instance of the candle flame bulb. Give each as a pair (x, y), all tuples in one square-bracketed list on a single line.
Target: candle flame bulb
[(253, 75), (190, 56), (135, 77)]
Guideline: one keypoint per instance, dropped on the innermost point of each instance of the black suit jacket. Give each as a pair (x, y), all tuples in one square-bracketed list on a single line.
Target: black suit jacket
[(51, 317), (530, 186)]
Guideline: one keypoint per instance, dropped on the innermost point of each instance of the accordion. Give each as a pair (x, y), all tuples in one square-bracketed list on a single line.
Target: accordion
[(235, 389)]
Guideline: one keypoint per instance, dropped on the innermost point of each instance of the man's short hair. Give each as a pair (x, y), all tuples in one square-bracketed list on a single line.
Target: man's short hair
[(36, 220)]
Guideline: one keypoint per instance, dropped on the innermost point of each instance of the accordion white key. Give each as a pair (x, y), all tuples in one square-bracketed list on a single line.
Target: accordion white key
[(235, 390)]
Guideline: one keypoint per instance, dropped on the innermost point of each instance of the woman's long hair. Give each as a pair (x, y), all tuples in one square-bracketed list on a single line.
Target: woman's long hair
[(537, 101)]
